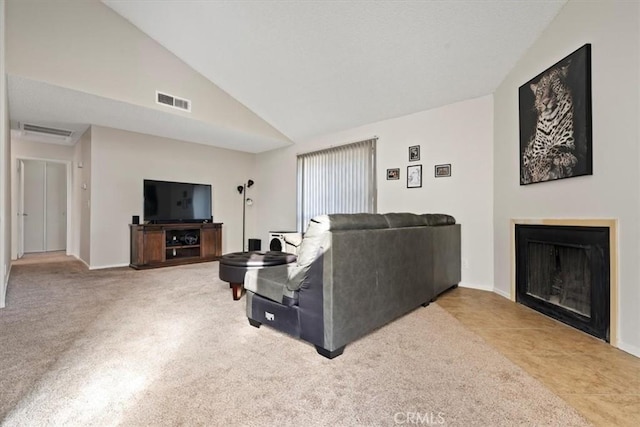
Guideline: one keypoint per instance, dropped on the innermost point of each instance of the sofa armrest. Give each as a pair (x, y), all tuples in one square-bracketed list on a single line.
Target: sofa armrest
[(294, 239), (276, 281), (268, 282), (292, 242)]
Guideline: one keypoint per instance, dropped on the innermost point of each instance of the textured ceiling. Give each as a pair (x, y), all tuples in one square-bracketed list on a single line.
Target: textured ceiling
[(314, 67)]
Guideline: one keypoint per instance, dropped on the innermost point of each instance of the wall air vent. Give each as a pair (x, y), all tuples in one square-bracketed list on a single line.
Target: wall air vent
[(173, 101), (62, 133)]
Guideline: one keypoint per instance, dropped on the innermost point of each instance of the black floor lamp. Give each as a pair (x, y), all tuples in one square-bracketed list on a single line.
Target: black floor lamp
[(242, 189)]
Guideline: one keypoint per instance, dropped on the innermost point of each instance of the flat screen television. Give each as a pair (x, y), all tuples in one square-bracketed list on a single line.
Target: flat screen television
[(171, 202)]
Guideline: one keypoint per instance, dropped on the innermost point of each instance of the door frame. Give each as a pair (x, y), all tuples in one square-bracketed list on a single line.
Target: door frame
[(20, 200)]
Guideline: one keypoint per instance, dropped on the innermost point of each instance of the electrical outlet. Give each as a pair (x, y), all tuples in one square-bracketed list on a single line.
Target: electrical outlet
[(465, 263)]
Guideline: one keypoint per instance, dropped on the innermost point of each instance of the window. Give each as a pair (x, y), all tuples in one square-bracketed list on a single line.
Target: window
[(337, 180)]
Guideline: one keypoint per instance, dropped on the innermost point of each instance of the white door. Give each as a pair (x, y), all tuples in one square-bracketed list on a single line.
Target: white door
[(44, 195), (34, 205), (55, 207), (20, 209)]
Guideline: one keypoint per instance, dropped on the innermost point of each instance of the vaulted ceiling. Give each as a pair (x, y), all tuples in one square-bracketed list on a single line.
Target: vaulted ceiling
[(309, 68)]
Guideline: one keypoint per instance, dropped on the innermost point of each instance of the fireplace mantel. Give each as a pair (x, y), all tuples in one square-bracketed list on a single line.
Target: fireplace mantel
[(612, 224)]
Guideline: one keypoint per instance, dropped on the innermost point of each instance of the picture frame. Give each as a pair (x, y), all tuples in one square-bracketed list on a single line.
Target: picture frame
[(393, 174), (555, 121), (442, 171), (414, 176), (414, 153)]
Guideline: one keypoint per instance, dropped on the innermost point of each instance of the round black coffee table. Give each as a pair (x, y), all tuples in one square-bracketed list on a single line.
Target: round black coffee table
[(233, 266)]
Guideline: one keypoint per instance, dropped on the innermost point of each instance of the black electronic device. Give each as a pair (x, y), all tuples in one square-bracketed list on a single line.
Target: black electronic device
[(135, 219), (167, 202), (255, 244), (190, 239)]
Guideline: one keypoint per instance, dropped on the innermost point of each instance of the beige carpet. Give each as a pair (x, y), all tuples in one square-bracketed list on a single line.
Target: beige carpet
[(170, 347)]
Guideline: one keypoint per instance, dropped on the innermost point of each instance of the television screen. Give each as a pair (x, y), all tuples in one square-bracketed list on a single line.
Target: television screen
[(168, 202)]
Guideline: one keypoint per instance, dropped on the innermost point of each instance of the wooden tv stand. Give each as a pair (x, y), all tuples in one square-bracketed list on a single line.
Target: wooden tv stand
[(163, 245)]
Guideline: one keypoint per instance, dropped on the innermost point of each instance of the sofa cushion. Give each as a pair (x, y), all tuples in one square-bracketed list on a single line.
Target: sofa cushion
[(403, 219), (359, 221), (270, 282), (439, 219), (314, 238)]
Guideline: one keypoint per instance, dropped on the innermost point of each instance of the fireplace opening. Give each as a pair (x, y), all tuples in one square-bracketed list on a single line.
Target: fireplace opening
[(563, 272)]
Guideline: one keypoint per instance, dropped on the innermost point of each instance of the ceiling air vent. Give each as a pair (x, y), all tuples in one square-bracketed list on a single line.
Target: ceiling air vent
[(62, 133), (172, 101)]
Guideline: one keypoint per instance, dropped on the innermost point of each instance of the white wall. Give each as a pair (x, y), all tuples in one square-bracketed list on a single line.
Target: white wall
[(5, 169), (614, 189), (460, 134), (23, 149), (121, 160)]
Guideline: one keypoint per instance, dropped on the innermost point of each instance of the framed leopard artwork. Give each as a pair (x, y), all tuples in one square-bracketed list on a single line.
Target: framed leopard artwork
[(555, 121)]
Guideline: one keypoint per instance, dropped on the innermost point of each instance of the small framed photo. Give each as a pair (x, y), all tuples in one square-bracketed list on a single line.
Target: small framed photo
[(414, 153), (414, 176), (442, 171), (393, 173)]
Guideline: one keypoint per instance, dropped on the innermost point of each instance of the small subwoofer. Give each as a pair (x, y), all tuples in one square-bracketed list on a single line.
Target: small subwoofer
[(276, 240), (255, 244), (135, 219)]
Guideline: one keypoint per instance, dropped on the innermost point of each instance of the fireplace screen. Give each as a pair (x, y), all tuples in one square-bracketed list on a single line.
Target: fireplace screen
[(560, 275), (563, 272)]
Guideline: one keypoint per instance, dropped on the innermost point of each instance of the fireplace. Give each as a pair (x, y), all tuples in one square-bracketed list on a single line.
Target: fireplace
[(563, 272)]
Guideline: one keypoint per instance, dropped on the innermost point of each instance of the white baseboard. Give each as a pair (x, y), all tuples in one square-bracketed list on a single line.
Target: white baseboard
[(99, 267), (473, 286), (82, 261), (102, 267), (73, 254), (631, 349), (502, 293)]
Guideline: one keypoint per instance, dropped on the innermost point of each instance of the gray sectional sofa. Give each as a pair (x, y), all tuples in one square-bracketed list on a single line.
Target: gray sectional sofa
[(354, 274)]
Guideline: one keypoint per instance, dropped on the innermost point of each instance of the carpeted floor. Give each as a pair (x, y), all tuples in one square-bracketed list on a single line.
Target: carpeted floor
[(170, 347)]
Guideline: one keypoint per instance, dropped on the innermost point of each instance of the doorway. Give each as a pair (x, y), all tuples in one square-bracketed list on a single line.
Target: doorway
[(42, 216)]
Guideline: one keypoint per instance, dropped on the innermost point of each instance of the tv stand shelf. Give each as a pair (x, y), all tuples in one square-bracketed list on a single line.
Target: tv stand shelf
[(163, 245)]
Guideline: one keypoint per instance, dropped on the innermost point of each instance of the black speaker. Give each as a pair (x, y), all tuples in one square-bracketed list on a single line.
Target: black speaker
[(255, 244), (135, 219)]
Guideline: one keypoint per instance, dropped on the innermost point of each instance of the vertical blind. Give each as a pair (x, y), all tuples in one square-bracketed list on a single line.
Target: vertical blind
[(337, 180)]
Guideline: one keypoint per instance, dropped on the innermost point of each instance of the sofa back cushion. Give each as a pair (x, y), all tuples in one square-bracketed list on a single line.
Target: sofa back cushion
[(358, 221), (438, 219), (316, 235), (403, 219)]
